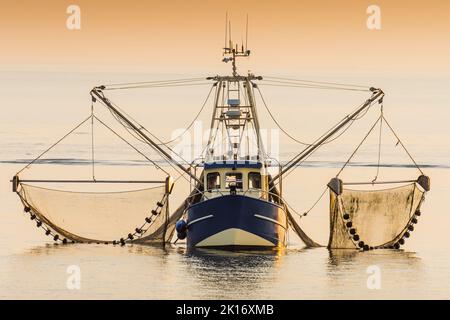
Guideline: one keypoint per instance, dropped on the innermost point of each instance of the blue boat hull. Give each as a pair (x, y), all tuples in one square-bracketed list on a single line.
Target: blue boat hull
[(236, 221)]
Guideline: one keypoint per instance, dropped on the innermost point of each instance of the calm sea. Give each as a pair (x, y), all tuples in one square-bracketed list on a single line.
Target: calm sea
[(37, 108)]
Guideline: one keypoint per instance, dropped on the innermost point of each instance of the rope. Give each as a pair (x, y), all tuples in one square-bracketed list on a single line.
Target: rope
[(291, 208), (311, 87), (316, 202), (379, 146), (380, 119), (159, 86), (301, 215), (305, 143), (318, 82), (359, 145), (53, 145), (152, 82), (141, 127), (129, 144), (92, 141), (182, 174), (141, 140), (193, 121), (330, 140), (338, 136), (276, 122), (403, 146)]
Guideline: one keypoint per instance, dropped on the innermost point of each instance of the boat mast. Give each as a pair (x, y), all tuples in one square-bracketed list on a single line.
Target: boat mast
[(234, 107)]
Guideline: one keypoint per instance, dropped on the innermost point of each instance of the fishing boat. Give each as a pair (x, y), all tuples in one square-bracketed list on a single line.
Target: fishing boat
[(241, 205), (236, 207), (236, 198)]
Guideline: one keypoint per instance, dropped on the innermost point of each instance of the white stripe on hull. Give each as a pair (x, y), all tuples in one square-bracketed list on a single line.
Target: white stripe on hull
[(234, 237)]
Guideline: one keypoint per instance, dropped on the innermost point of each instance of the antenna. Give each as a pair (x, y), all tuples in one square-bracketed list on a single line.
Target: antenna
[(246, 34), (226, 31), (229, 31), (232, 50)]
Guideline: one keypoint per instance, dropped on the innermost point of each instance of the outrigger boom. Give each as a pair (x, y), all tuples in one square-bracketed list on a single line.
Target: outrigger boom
[(97, 93), (378, 94)]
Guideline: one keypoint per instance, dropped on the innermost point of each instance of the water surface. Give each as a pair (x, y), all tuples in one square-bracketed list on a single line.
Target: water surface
[(31, 266)]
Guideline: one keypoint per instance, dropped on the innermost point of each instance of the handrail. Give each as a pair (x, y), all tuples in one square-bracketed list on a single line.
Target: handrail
[(199, 192), (214, 190), (283, 202)]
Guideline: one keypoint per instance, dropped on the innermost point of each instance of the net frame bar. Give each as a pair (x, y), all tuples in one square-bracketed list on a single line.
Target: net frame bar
[(88, 181)]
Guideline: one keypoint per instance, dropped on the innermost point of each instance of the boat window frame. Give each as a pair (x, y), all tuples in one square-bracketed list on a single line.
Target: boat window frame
[(237, 185), (260, 179), (217, 173)]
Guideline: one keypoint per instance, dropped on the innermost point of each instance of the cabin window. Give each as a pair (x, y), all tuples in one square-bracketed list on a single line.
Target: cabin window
[(254, 180), (233, 178), (213, 180)]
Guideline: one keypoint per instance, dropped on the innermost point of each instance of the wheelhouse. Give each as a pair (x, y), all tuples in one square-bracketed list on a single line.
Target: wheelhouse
[(237, 177)]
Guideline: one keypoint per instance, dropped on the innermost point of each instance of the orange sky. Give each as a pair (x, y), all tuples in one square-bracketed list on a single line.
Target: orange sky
[(312, 35)]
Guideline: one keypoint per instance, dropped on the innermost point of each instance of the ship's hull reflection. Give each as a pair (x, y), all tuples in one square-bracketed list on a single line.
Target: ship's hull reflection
[(238, 270)]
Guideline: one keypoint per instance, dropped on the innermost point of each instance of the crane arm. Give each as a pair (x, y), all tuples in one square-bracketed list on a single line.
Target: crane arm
[(97, 93), (377, 94)]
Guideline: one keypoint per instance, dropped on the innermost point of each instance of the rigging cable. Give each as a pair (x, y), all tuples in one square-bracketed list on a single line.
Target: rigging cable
[(305, 143), (130, 131), (330, 140), (326, 188), (276, 122), (145, 142), (335, 126), (145, 129), (359, 145), (403, 146), (309, 84), (316, 202), (142, 128), (180, 174), (155, 82), (311, 87), (380, 119), (92, 140), (195, 118), (379, 145), (54, 144), (318, 82), (159, 86), (131, 145)]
